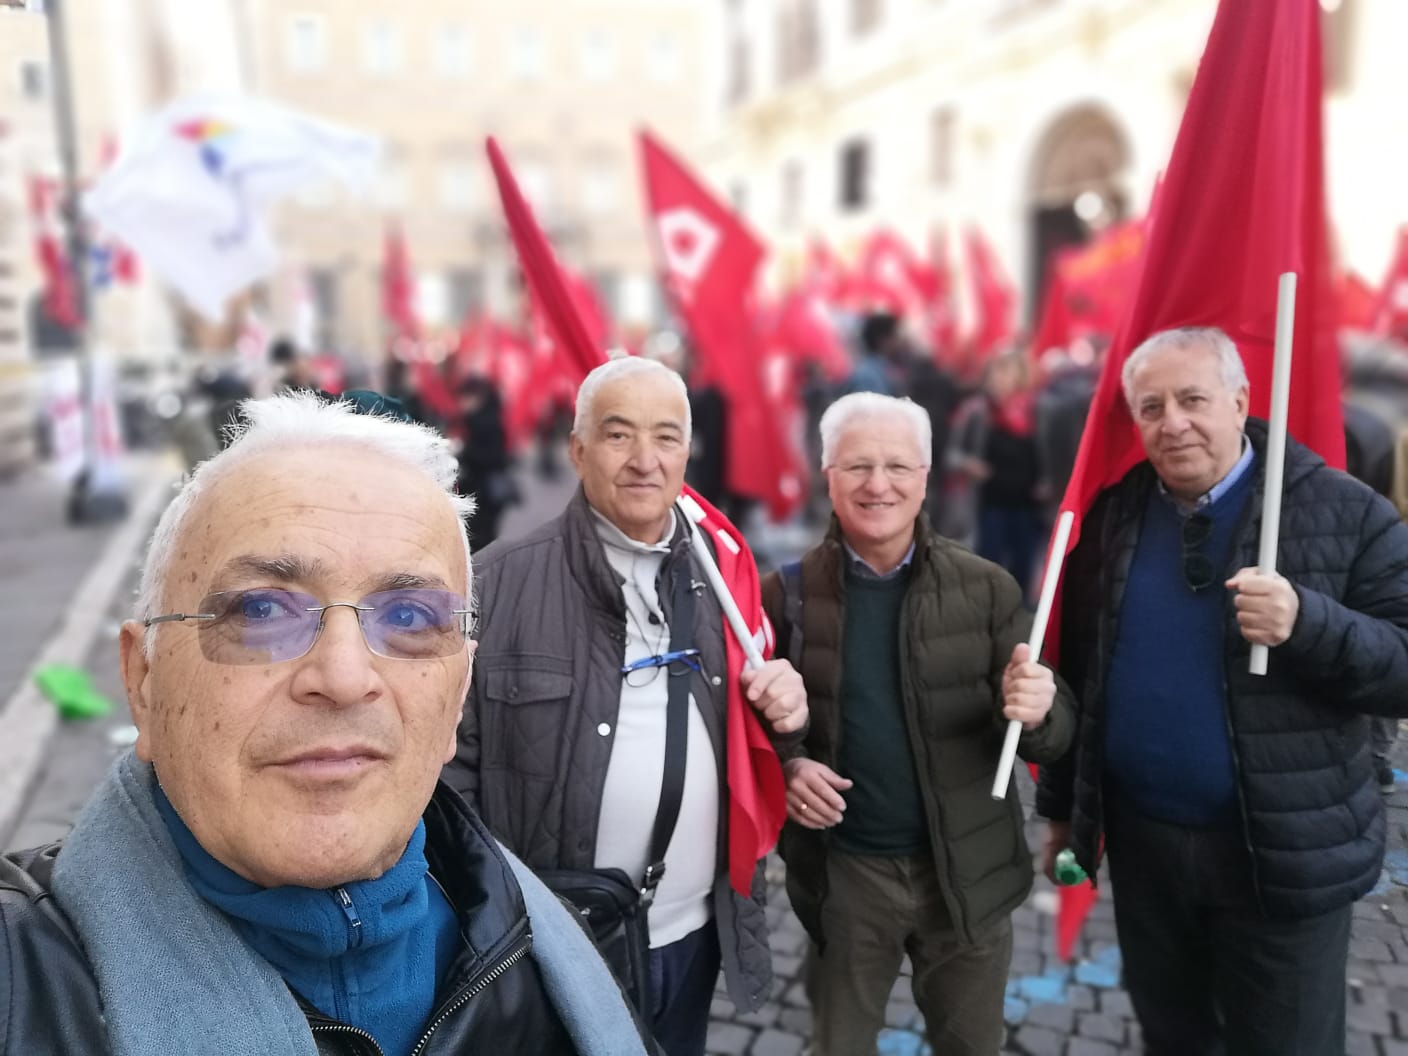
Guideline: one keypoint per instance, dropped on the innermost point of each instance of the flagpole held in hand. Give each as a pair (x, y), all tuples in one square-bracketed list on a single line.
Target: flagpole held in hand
[(1035, 640), (1276, 442), (694, 513)]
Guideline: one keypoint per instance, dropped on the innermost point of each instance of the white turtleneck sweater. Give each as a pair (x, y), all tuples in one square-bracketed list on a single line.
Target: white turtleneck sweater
[(631, 797)]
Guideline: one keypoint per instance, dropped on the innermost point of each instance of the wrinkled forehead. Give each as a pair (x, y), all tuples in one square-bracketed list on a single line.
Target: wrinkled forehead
[(645, 400), (1195, 364), (351, 514), (877, 439)]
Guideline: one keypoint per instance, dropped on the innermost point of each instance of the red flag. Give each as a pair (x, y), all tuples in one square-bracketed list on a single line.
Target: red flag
[(60, 300), (708, 258), (1356, 301), (757, 802), (398, 308), (1391, 308), (1090, 287), (549, 287), (824, 276), (801, 325), (891, 276), (994, 298), (1241, 202)]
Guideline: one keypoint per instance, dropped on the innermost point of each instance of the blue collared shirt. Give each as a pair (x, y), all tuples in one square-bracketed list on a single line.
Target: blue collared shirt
[(1221, 487), (861, 567)]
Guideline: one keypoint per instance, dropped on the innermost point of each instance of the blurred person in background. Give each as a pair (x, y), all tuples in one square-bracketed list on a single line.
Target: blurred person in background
[(1369, 449), (483, 459), (1062, 403), (293, 373), (994, 447)]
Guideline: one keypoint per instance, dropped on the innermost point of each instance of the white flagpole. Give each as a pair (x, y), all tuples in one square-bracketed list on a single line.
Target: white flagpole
[(1276, 441), (1003, 777), (695, 513)]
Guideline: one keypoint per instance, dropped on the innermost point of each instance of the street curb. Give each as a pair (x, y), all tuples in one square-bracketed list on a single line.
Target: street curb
[(28, 719)]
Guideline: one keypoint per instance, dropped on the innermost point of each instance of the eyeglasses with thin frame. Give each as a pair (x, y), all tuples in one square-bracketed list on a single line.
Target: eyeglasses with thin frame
[(1198, 571), (676, 663), (894, 471), (267, 625)]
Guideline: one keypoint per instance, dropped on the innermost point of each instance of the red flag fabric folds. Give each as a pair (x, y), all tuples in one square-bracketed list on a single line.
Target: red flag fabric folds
[(708, 258), (398, 308), (994, 298), (757, 803)]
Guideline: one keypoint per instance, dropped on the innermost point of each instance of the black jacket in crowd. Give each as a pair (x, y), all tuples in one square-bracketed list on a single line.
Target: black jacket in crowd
[(491, 1001), (1310, 808)]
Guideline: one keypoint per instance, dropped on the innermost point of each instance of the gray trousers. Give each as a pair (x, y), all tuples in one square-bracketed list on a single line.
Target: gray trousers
[(876, 911)]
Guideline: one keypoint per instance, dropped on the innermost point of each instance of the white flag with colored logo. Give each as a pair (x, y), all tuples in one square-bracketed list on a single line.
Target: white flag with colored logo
[(190, 192)]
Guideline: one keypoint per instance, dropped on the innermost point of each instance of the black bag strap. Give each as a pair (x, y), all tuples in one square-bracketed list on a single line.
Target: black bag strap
[(676, 728)]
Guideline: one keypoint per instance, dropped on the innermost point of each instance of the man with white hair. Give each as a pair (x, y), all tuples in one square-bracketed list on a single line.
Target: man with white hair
[(1240, 813), (272, 868), (589, 646), (914, 655)]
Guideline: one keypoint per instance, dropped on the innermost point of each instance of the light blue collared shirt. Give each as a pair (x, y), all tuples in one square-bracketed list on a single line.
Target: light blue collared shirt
[(861, 567), (1221, 487)]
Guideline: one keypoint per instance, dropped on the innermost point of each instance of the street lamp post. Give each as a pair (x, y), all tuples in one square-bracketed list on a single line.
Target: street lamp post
[(97, 494)]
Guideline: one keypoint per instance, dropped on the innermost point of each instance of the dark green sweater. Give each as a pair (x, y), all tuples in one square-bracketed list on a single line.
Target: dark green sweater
[(884, 812)]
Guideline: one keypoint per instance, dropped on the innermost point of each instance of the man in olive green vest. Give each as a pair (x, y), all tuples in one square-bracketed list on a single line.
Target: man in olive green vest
[(915, 658)]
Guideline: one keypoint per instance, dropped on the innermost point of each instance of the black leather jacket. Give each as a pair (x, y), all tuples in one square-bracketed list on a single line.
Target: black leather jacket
[(492, 999)]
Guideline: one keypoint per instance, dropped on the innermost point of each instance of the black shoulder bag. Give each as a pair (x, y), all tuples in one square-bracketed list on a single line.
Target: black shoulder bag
[(613, 907)]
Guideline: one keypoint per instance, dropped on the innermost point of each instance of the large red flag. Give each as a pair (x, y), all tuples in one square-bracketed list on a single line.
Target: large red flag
[(709, 258), (1391, 308), (549, 286), (757, 800), (1356, 301), (1241, 202), (994, 298)]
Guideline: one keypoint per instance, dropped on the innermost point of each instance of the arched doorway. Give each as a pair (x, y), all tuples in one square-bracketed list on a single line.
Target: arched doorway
[(1078, 185)]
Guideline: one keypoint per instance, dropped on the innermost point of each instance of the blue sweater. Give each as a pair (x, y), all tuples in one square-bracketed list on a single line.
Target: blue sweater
[(370, 953), (1168, 752)]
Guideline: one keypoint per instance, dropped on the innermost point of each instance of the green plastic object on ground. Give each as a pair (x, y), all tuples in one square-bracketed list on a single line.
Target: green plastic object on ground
[(1067, 869), (71, 691)]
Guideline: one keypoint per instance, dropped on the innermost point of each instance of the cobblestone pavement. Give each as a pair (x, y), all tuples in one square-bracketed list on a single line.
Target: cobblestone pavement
[(1052, 1009)]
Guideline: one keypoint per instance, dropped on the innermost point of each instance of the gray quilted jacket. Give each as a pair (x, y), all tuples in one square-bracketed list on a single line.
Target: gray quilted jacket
[(531, 759)]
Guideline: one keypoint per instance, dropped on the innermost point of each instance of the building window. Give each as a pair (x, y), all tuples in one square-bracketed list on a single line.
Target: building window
[(865, 15), (381, 48), (739, 69), (598, 55), (393, 184), (798, 39), (34, 80), (943, 124), (663, 59), (1337, 30), (599, 190), (307, 48), (855, 175), (454, 51), (456, 180), (465, 293), (792, 188), (526, 53), (322, 288)]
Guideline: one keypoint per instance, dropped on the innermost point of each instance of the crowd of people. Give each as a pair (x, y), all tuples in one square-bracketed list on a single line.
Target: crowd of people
[(372, 770)]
